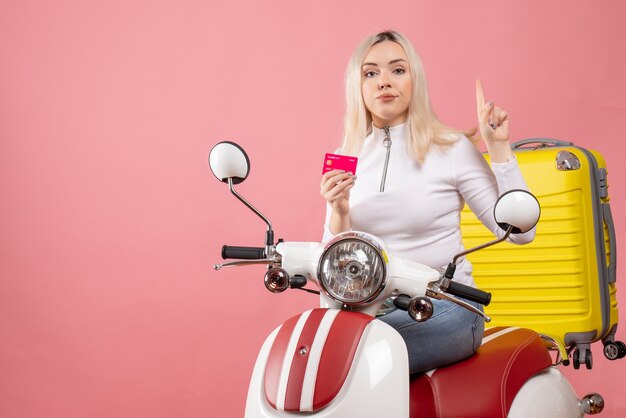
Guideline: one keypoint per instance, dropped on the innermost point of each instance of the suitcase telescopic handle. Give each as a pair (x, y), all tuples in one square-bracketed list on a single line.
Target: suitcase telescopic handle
[(542, 142)]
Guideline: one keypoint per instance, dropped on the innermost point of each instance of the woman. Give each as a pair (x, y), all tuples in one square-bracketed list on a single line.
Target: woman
[(414, 176)]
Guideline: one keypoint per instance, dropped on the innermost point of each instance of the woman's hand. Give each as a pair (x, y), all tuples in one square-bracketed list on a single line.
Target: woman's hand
[(335, 189), (493, 123)]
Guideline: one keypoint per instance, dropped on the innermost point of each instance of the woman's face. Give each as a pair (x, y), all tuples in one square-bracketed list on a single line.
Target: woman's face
[(386, 83)]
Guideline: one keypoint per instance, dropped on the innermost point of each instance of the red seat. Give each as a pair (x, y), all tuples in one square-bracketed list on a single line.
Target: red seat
[(485, 384)]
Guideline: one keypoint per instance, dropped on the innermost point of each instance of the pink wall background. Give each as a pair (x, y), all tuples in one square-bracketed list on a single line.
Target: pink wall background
[(110, 219)]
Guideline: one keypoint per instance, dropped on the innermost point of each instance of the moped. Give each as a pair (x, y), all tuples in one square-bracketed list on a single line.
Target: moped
[(339, 361)]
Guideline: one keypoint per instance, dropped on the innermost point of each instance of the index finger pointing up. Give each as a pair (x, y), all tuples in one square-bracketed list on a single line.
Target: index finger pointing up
[(480, 97)]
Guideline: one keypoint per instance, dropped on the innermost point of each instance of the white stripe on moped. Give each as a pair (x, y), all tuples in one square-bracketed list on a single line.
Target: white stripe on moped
[(315, 353), (497, 334), (288, 359)]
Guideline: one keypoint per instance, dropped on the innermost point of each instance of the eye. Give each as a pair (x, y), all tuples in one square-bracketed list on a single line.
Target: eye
[(399, 71), (369, 74)]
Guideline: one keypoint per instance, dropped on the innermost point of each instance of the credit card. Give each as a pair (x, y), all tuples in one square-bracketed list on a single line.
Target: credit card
[(339, 162)]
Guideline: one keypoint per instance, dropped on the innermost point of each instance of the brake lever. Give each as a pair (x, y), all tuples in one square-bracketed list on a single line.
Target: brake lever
[(434, 291), (244, 263)]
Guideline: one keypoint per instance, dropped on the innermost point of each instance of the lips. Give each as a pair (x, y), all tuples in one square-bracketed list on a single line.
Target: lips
[(386, 97)]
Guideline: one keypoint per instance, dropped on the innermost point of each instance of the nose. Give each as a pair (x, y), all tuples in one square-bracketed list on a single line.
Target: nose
[(383, 81)]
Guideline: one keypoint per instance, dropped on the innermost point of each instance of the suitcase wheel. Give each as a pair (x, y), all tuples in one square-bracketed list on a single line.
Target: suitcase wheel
[(614, 350), (576, 359), (588, 359), (578, 356)]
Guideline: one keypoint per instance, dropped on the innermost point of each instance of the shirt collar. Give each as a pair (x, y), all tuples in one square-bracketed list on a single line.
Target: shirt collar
[(397, 132)]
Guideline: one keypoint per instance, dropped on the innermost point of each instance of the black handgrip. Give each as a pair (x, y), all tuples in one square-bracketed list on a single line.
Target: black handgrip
[(469, 292), (245, 253)]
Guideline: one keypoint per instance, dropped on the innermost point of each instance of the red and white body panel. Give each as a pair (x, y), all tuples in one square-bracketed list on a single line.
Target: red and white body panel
[(377, 381)]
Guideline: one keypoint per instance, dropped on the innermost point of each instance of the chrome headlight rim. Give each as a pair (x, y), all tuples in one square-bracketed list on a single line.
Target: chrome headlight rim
[(368, 239)]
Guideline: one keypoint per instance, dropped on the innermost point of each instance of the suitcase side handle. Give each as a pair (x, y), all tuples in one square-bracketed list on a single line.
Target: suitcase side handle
[(608, 218), (541, 142)]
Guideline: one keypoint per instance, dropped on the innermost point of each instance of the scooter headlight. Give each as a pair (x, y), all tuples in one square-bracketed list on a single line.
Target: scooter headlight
[(353, 268)]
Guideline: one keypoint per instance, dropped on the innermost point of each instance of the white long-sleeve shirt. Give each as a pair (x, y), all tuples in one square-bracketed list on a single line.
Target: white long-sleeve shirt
[(418, 213)]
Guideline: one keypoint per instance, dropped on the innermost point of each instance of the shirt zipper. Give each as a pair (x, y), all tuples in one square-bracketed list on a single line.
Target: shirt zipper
[(387, 144)]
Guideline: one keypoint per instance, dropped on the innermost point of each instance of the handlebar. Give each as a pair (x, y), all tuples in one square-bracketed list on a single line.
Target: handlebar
[(243, 253), (469, 293)]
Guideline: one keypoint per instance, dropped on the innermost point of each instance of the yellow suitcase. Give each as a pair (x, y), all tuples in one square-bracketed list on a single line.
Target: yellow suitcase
[(562, 284)]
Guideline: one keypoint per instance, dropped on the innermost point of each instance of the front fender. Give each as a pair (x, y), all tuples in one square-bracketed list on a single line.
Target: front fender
[(378, 370)]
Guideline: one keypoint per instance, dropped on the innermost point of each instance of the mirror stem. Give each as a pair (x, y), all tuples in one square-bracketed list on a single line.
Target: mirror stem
[(480, 247), (269, 235)]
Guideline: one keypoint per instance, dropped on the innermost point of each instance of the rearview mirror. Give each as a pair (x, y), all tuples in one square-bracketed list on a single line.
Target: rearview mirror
[(229, 161), (518, 209)]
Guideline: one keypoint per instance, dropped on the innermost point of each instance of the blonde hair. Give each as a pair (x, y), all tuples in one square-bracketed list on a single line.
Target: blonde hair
[(423, 125)]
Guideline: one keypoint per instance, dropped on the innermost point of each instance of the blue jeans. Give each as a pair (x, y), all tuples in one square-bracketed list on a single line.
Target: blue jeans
[(452, 334)]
